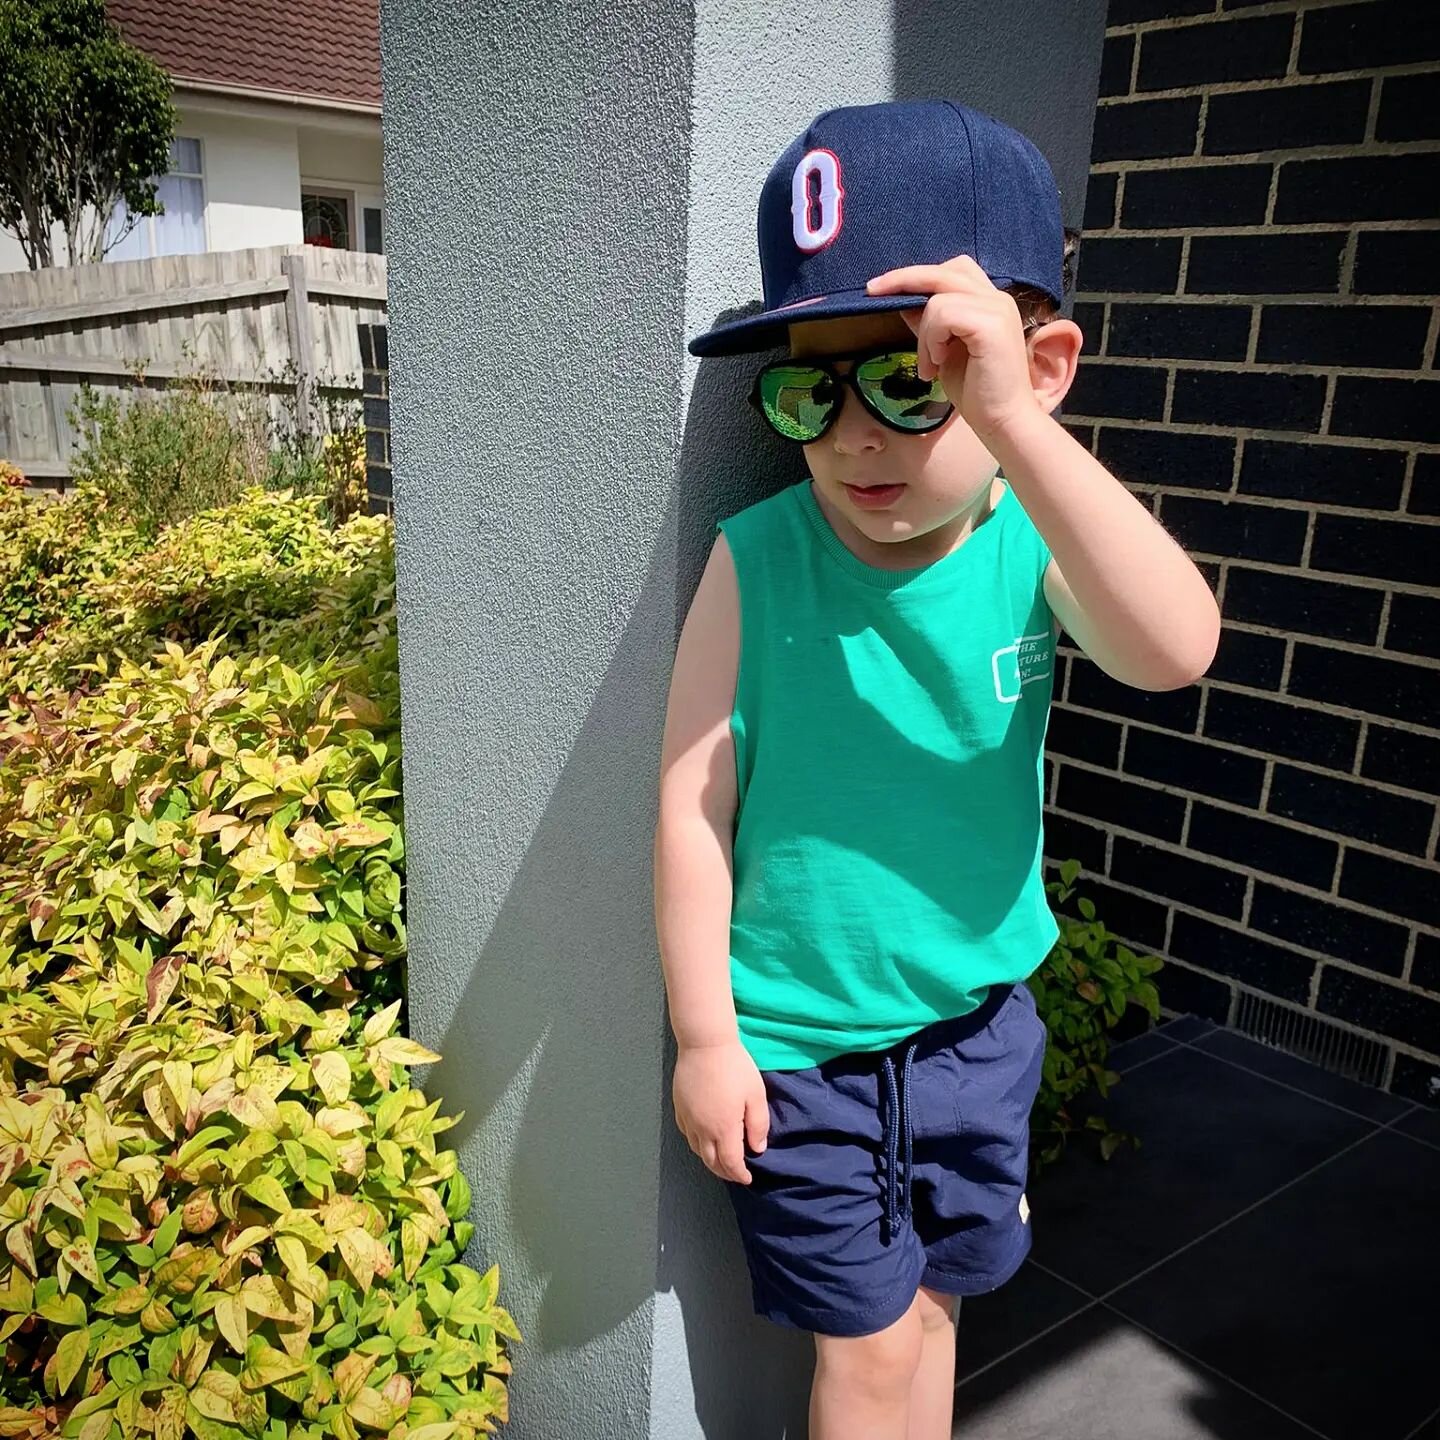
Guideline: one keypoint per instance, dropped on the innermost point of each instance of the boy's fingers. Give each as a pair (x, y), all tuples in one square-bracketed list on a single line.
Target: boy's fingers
[(732, 1159), (922, 279), (729, 1164), (757, 1122)]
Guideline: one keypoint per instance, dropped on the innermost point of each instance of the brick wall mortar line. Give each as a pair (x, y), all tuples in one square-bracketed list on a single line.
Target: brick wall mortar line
[(1245, 432), (1228, 747), (1427, 358), (1307, 80), (1383, 638), (1184, 22), (1179, 907), (1277, 157), (1347, 267), (1407, 483), (1264, 367), (1300, 703), (1372, 110)]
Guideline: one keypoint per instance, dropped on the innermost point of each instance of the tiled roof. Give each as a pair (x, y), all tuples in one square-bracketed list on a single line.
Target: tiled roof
[(329, 49)]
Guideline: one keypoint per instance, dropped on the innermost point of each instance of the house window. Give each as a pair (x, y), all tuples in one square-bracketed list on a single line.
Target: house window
[(374, 230), (325, 215), (181, 229)]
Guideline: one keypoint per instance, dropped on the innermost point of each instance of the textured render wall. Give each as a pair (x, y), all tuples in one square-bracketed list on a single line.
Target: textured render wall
[(535, 169), (572, 196)]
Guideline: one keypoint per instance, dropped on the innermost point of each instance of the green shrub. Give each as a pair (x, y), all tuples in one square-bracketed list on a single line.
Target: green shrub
[(224, 1208), (169, 449), (1082, 991), (269, 573)]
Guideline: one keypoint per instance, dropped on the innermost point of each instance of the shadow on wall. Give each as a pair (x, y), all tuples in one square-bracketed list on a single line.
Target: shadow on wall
[(583, 1177), (750, 1377)]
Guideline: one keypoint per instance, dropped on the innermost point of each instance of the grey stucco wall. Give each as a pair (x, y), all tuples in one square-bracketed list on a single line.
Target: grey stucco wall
[(571, 190)]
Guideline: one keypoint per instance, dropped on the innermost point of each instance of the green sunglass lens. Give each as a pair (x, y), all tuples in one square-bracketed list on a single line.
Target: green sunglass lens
[(892, 384), (798, 400)]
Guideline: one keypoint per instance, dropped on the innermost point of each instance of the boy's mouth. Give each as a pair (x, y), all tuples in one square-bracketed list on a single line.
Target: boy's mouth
[(874, 497)]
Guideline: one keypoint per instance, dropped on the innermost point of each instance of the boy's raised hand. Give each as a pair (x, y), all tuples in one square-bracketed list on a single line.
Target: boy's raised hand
[(970, 334), (720, 1103)]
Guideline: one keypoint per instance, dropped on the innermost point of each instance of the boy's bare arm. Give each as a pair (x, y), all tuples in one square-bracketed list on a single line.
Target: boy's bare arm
[(1131, 598), (719, 1094), (693, 860)]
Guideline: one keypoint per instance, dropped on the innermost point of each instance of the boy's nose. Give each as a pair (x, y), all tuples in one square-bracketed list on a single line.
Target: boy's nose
[(855, 430)]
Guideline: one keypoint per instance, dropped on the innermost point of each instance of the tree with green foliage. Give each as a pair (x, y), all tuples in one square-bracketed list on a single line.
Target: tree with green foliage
[(86, 121)]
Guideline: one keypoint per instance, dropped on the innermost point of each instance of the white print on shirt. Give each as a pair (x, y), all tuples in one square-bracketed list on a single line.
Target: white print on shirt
[(1029, 659)]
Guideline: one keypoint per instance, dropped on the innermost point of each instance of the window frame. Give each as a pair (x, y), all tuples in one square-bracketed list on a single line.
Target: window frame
[(147, 222)]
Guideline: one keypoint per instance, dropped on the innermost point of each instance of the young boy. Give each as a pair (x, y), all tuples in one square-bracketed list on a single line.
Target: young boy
[(848, 856)]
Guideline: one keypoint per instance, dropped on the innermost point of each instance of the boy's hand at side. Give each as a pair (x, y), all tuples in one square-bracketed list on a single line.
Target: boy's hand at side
[(720, 1103), (971, 336)]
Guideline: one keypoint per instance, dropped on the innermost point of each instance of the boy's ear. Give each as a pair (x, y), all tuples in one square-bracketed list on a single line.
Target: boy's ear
[(1054, 359)]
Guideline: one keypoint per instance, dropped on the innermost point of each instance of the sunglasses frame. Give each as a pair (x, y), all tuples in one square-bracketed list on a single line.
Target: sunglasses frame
[(827, 365), (856, 359)]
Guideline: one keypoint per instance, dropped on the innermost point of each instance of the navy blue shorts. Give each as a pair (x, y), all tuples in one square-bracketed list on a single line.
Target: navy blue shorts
[(895, 1169)]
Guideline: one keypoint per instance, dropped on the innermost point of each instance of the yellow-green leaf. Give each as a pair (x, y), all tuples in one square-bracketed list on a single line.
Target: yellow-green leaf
[(81, 1259), (69, 1356), (266, 1295), (379, 1025), (250, 1235), (332, 1075), (233, 1319), (170, 1414), (269, 1192), (370, 1409), (266, 1365), (402, 1051), (63, 1310)]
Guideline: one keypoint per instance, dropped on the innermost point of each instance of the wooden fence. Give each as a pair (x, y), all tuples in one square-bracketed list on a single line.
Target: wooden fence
[(246, 315)]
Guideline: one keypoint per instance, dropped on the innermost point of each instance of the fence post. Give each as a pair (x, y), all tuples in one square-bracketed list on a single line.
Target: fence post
[(297, 324)]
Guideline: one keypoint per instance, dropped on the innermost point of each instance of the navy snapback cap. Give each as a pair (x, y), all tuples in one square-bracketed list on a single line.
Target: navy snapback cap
[(868, 188)]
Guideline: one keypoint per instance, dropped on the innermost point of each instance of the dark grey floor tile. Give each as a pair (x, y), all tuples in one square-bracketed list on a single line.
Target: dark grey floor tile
[(1364, 1100), (992, 1325), (1131, 1053), (1187, 1027), (1215, 1139), (1097, 1377), (1321, 1300), (1423, 1123)]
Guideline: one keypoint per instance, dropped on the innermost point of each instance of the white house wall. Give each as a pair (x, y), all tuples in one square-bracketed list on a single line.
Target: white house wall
[(252, 181), (253, 170)]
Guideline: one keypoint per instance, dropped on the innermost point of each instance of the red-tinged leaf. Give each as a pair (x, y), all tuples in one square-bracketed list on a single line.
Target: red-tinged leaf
[(160, 983)]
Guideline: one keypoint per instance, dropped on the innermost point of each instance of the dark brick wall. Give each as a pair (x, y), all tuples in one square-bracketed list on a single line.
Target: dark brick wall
[(1257, 285), (375, 358)]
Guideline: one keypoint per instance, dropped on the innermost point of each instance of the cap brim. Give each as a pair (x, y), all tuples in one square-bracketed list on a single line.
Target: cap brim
[(767, 329)]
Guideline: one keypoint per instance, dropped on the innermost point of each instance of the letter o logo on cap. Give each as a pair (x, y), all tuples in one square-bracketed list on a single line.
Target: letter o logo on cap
[(818, 211)]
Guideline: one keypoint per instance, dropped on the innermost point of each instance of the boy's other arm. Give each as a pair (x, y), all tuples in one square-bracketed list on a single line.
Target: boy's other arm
[(1131, 598), (719, 1094)]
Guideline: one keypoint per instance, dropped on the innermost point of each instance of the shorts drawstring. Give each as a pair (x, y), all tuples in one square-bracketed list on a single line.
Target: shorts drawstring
[(897, 1109)]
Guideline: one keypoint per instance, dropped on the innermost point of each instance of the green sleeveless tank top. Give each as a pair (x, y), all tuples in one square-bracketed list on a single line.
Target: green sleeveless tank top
[(889, 732)]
